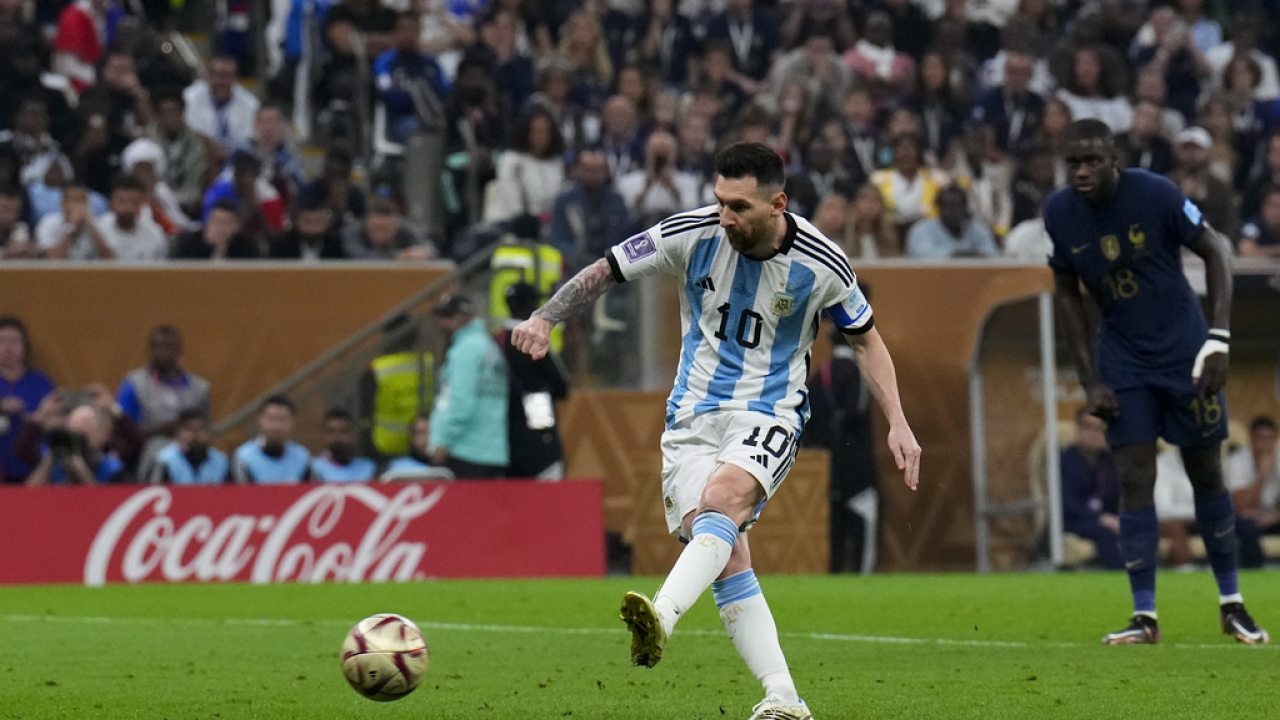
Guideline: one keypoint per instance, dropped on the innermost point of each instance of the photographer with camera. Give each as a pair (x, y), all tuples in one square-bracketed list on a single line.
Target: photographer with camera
[(75, 453), (659, 188)]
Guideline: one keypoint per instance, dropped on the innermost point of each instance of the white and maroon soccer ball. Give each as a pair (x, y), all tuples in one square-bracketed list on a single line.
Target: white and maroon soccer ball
[(384, 657)]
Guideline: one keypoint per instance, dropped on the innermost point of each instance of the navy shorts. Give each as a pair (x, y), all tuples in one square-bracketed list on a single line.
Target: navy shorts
[(1168, 406)]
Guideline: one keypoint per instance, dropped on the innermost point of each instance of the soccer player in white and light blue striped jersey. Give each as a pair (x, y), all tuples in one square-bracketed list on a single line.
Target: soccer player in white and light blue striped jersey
[(755, 279)]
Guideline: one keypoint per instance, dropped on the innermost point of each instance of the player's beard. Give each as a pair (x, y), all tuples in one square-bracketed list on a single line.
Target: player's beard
[(746, 241)]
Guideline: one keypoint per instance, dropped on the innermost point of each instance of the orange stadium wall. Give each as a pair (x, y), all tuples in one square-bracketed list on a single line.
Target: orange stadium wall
[(247, 328)]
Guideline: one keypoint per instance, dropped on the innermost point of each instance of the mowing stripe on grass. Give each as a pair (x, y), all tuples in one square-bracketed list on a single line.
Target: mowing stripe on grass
[(470, 627)]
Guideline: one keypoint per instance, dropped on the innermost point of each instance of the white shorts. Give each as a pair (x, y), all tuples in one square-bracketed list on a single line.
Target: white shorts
[(692, 452)]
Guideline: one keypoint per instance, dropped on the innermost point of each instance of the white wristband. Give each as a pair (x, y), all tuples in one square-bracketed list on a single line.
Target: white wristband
[(1210, 347)]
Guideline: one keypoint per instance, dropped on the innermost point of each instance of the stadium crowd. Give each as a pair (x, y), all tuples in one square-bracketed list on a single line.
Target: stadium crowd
[(576, 121)]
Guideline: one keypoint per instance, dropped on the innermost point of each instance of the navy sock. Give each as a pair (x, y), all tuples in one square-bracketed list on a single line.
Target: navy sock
[(1216, 519), (1140, 543)]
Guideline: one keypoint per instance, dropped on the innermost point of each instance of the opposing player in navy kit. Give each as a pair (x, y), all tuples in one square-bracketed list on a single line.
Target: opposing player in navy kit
[(754, 280), (1157, 369)]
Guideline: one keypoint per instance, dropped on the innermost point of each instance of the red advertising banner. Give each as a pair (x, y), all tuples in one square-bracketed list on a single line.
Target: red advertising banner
[(342, 532)]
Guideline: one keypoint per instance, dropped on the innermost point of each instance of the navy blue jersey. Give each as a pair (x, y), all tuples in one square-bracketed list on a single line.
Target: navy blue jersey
[(1128, 252)]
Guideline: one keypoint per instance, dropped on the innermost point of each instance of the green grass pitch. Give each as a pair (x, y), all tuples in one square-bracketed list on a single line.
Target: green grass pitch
[(896, 646)]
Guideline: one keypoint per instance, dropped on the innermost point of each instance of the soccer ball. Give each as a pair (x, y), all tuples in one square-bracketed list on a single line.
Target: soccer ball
[(384, 657)]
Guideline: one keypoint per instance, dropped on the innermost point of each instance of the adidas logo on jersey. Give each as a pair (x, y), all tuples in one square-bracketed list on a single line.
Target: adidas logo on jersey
[(762, 459), (706, 284)]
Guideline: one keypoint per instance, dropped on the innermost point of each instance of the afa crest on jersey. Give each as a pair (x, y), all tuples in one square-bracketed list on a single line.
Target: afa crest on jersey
[(1110, 247), (784, 304)]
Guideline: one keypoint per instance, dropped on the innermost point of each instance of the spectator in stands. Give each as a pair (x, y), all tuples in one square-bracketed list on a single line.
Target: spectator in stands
[(696, 151), (980, 166), (80, 42), (1012, 108), (953, 233), (667, 41), (870, 232), (583, 45), (189, 459), (831, 217), (814, 67), (1090, 93), (417, 462), (272, 457), (752, 32), (1230, 154), (720, 86), (874, 59), (1175, 500), (579, 127), (312, 235), (936, 103), (590, 215), (383, 236), (281, 166), (1205, 32), (469, 420), (1260, 236), (1090, 497), (659, 188), (501, 40), (114, 113), (16, 241), (218, 239), (143, 160), (36, 148), (349, 25), (73, 234), (1150, 86), (220, 107), (403, 70), (1020, 36), (342, 196), (621, 141), (1165, 44), (1145, 146), (133, 236), (1249, 117), (23, 67), (908, 188), (1267, 175), (1252, 473), (154, 395), (22, 389), (1215, 197), (820, 176), (529, 173), (633, 83), (339, 462), (76, 454), (858, 118), (1245, 28), (262, 212), (535, 387), (1032, 185), (186, 152)]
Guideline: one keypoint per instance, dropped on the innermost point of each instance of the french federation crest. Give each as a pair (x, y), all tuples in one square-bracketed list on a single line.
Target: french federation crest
[(1110, 247), (784, 304)]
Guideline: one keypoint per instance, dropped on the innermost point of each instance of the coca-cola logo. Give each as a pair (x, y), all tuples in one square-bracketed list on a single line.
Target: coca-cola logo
[(296, 545)]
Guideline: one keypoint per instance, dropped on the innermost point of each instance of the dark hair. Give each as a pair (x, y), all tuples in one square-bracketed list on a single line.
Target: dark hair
[(168, 95), (1090, 129), (225, 205), (521, 135), (1267, 191), (165, 331), (747, 159), (190, 414), (129, 182), (1254, 69), (223, 57), (408, 15), (278, 401), (12, 321), (311, 200), (1262, 422), (381, 206), (337, 413), (1107, 82), (952, 190), (338, 154)]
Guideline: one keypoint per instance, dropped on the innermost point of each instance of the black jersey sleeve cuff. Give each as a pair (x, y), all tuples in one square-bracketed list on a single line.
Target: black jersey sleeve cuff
[(613, 266), (862, 330)]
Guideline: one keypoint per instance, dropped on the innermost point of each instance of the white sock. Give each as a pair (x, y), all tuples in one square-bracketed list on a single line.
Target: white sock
[(750, 625), (701, 561), (1235, 598)]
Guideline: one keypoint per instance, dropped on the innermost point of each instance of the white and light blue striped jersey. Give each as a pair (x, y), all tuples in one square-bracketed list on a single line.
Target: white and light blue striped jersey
[(748, 325)]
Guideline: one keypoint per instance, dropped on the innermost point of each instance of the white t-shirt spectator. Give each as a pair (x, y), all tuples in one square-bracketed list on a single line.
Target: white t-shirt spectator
[(50, 231), (644, 198), (1240, 472), (144, 243), (1116, 112), (1269, 86), (231, 124)]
